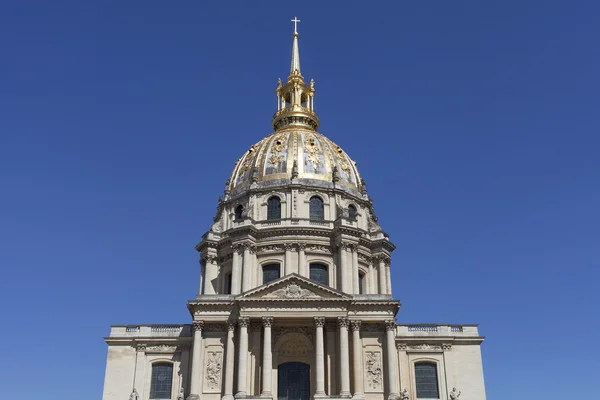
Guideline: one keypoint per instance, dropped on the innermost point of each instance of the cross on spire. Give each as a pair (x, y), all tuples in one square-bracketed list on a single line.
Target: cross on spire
[(295, 21)]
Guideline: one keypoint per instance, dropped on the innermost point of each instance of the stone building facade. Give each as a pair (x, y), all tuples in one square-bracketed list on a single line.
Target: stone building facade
[(295, 298)]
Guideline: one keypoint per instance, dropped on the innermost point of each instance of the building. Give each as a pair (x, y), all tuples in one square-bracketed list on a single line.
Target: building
[(295, 298)]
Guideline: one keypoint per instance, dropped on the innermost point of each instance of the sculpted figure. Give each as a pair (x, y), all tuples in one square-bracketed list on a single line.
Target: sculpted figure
[(180, 395), (454, 394), (134, 395), (404, 395)]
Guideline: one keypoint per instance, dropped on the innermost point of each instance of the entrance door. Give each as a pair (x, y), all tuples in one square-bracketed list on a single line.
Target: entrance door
[(293, 381)]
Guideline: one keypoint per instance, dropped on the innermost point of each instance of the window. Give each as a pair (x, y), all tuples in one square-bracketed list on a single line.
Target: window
[(352, 212), (316, 208), (162, 379), (270, 272), (427, 380), (274, 208), (361, 283), (319, 273), (239, 212), (227, 288)]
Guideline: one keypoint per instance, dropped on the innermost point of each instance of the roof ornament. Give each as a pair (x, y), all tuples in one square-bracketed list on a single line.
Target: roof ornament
[(295, 67), (295, 169)]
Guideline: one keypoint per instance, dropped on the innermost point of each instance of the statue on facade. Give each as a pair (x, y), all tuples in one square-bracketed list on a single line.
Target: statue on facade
[(254, 176), (335, 175), (454, 394), (404, 395), (134, 395)]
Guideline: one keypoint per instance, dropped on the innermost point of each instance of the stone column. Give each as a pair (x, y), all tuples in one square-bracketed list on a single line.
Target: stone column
[(342, 267), (372, 280), (359, 390), (196, 377), (355, 280), (392, 360), (236, 275), (288, 258), (246, 266), (228, 395), (267, 366), (320, 356), (202, 273), (211, 273), (242, 380), (344, 357), (302, 267), (382, 276), (388, 275)]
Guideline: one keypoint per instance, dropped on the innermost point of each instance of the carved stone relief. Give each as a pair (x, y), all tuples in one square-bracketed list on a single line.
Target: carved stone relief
[(212, 379), (292, 291), (373, 368), (294, 347), (306, 331)]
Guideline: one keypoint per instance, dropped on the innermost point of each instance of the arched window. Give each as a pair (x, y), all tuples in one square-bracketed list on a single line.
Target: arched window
[(227, 286), (352, 212), (274, 208), (319, 273), (239, 212), (426, 380), (361, 283), (162, 381), (316, 208), (271, 272)]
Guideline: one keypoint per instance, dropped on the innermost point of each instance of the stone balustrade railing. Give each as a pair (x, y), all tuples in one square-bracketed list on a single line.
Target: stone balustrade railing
[(436, 330), (174, 330)]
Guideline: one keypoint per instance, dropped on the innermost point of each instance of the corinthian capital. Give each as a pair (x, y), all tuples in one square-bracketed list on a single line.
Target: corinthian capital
[(390, 324), (244, 322), (342, 322), (197, 325), (267, 322), (320, 321), (355, 325)]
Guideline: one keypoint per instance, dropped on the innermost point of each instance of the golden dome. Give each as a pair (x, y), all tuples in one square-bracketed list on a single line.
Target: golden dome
[(303, 155)]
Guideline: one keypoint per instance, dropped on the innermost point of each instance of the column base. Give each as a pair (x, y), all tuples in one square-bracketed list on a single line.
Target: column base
[(193, 397), (345, 395), (241, 395), (321, 396), (266, 396), (227, 397), (393, 396), (358, 396)]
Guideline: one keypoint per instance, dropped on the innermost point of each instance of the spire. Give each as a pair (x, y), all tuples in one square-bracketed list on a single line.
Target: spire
[(295, 67), (295, 99)]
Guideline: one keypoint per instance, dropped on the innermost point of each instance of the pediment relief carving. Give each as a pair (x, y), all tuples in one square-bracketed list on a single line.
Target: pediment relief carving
[(294, 287)]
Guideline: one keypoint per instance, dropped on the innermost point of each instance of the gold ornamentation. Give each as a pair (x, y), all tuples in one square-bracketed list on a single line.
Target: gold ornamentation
[(310, 144)]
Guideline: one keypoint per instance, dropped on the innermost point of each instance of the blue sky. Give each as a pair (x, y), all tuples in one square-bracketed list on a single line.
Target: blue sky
[(474, 124)]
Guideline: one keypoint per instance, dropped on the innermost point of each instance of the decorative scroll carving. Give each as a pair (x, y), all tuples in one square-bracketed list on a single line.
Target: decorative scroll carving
[(181, 395), (239, 248), (319, 249), (306, 331), (373, 368), (231, 325), (294, 347), (320, 321), (446, 346), (267, 321), (162, 348), (209, 258), (301, 246), (197, 325), (401, 346), (243, 322), (273, 247), (426, 347), (367, 259), (215, 328), (355, 325), (292, 291), (288, 246), (213, 370), (390, 324), (404, 395), (141, 347)]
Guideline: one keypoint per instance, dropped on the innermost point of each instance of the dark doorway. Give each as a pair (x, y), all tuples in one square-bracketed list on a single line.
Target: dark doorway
[(293, 381)]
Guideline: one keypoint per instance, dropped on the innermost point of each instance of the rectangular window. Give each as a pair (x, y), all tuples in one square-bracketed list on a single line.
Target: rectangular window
[(162, 380), (227, 287), (270, 273), (427, 380), (319, 273)]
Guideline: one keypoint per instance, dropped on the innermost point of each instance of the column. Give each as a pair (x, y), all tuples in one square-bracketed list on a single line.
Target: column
[(342, 267), (267, 366), (242, 381), (381, 275), (392, 361), (388, 275), (344, 357), (202, 272), (372, 280), (332, 384), (230, 350), (302, 267), (211, 273), (359, 390), (236, 277), (246, 265), (355, 279), (196, 377), (288, 258), (320, 356)]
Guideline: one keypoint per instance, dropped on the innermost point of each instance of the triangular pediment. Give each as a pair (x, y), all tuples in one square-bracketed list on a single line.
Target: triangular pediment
[(293, 287)]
